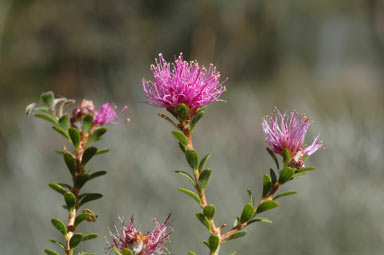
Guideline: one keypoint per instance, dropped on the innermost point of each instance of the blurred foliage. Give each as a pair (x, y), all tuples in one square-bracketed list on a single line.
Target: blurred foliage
[(324, 58)]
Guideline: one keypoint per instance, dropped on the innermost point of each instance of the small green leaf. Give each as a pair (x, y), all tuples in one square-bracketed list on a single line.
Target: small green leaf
[(182, 147), (236, 222), (191, 253), (75, 136), (57, 243), (88, 197), (186, 175), (88, 154), (267, 185), (181, 112), (286, 156), (250, 196), (70, 162), (191, 193), (127, 251), (298, 175), (259, 219), (116, 250), (204, 220), (209, 211), (50, 252), (181, 137), (81, 179), (97, 174), (76, 240), (248, 213), (59, 225), (64, 122), (192, 158), (206, 243), (213, 242), (47, 117), (81, 217), (70, 199), (61, 131), (287, 193), (203, 161), (304, 169), (286, 174), (201, 109), (47, 98), (96, 135), (101, 151), (204, 178), (238, 234), (194, 120), (267, 205), (65, 185), (273, 155), (87, 123), (273, 176), (90, 236), (57, 188)]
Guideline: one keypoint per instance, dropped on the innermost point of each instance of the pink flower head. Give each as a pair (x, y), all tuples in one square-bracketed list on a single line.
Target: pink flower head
[(187, 83), (107, 114), (283, 131), (151, 243)]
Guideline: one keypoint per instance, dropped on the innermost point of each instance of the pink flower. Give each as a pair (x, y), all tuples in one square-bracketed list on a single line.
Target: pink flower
[(151, 243), (187, 83), (107, 114), (283, 131)]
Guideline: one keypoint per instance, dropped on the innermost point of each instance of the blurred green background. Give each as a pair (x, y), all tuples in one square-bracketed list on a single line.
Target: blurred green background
[(324, 58)]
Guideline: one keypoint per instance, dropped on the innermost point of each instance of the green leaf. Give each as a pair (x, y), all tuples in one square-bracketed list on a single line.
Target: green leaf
[(82, 217), (206, 243), (88, 154), (181, 112), (47, 98), (267, 185), (267, 205), (194, 120), (50, 252), (191, 193), (59, 225), (204, 220), (70, 162), (191, 253), (273, 155), (287, 193), (192, 158), (182, 147), (204, 178), (76, 240), (286, 174), (65, 185), (250, 196), (81, 179), (64, 122), (96, 135), (236, 222), (90, 236), (213, 242), (238, 234), (88, 197), (186, 175), (203, 161), (116, 250), (70, 199), (57, 243), (201, 109), (181, 137), (259, 219), (97, 174), (273, 176), (127, 251), (298, 175), (47, 117), (61, 131), (209, 211), (57, 188), (248, 213), (101, 151), (304, 169), (286, 156), (75, 136), (87, 123)]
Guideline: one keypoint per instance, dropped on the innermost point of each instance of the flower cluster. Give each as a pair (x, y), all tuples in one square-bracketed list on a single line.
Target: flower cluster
[(288, 132), (151, 243), (187, 83)]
